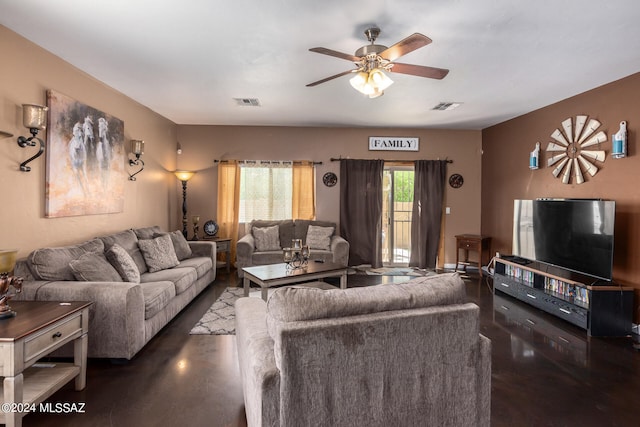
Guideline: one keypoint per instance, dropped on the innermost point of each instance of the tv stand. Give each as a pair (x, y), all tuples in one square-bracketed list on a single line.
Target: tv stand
[(604, 310)]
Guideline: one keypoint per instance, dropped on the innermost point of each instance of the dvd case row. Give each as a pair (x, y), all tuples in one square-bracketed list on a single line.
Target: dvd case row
[(577, 293)]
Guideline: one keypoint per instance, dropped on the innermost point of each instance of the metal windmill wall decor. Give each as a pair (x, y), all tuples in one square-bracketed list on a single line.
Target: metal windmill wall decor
[(573, 151)]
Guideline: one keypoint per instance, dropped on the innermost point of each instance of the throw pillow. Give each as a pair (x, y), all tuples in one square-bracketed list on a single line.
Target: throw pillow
[(94, 267), (123, 263), (180, 244), (158, 253), (319, 237), (267, 238)]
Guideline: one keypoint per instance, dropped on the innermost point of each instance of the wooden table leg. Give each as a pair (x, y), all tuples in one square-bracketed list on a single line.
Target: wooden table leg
[(265, 293), (80, 347), (13, 389)]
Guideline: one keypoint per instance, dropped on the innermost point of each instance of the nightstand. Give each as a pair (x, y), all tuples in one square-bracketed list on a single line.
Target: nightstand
[(475, 243)]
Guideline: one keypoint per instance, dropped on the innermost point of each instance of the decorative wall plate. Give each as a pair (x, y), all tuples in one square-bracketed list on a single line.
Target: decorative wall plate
[(569, 149), (456, 180), (329, 179)]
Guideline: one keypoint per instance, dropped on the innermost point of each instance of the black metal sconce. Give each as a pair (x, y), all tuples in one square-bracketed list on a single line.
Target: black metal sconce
[(34, 118), (137, 149)]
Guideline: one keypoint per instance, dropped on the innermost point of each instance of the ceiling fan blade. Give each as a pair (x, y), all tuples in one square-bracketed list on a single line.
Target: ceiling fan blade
[(419, 70), (331, 78), (335, 53), (411, 43)]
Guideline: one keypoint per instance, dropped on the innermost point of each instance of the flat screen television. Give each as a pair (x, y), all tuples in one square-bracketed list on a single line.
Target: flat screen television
[(574, 234)]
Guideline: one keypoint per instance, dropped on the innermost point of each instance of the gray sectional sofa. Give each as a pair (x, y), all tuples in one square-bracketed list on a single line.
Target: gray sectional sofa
[(407, 354), (252, 251), (138, 280)]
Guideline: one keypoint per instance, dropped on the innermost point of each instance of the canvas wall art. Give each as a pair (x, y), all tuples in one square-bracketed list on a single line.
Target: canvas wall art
[(85, 159)]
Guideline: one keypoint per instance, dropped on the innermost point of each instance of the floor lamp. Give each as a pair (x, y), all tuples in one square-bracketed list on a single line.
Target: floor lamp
[(184, 176)]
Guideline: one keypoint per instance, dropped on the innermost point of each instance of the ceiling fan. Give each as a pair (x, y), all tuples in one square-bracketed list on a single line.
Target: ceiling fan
[(373, 59)]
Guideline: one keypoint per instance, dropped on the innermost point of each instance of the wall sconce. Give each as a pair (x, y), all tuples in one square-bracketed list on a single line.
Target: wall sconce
[(619, 142), (534, 157), (184, 176), (34, 118), (179, 149), (137, 149)]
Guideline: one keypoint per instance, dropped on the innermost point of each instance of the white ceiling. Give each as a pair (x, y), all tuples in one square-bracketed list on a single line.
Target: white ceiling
[(189, 59)]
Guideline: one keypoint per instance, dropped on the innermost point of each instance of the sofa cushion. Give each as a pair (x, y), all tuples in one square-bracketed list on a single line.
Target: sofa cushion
[(158, 253), (123, 263), (129, 241), (202, 265), (53, 263), (156, 296), (94, 267), (269, 257), (294, 304), (147, 232), (285, 229), (319, 237), (302, 227), (267, 238), (182, 278), (180, 244)]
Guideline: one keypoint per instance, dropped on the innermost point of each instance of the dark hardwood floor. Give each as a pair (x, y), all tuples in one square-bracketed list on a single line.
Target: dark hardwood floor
[(557, 377)]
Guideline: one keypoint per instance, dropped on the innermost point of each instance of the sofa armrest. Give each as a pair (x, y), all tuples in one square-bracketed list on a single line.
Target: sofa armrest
[(256, 359), (244, 252), (204, 249), (340, 250), (116, 318)]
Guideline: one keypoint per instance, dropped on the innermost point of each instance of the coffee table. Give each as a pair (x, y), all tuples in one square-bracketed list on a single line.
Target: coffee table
[(270, 275)]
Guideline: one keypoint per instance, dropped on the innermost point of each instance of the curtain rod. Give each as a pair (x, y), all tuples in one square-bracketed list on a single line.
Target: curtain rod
[(333, 159), (292, 161)]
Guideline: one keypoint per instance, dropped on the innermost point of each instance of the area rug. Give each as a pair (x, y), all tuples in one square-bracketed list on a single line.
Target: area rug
[(220, 317)]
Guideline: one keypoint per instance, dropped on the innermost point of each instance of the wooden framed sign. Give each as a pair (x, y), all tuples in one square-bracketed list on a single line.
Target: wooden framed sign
[(393, 143)]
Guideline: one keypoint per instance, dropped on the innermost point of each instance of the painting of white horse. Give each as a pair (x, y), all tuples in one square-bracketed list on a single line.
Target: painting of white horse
[(85, 175)]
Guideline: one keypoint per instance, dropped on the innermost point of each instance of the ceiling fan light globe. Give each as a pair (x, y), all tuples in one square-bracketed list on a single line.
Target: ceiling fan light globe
[(379, 79), (359, 80)]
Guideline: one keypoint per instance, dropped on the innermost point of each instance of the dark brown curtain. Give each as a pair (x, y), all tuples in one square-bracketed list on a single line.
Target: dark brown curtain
[(428, 196), (361, 209)]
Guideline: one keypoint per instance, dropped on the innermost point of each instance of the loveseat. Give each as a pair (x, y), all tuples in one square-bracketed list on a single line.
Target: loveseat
[(406, 354), (137, 279), (265, 240)]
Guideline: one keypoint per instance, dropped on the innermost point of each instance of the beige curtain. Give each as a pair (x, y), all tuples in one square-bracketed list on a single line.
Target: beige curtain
[(229, 201), (304, 193)]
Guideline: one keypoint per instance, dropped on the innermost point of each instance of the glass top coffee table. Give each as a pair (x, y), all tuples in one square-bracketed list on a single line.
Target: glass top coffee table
[(270, 275)]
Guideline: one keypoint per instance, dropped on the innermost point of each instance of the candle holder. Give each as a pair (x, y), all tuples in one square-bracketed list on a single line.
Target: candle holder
[(195, 220), (297, 256)]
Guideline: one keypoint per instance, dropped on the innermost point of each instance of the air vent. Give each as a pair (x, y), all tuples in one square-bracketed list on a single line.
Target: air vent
[(247, 102), (446, 106)]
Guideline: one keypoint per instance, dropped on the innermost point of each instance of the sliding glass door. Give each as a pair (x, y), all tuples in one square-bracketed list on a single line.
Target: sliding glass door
[(397, 205)]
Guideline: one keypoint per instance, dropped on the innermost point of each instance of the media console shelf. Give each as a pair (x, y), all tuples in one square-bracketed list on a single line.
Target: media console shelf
[(603, 310)]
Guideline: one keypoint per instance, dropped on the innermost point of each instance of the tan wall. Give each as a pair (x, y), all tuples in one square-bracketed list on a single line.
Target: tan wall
[(202, 144), (505, 173), (26, 72)]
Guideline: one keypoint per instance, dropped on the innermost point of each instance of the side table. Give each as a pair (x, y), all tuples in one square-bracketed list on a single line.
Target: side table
[(39, 328), (475, 243), (223, 245)]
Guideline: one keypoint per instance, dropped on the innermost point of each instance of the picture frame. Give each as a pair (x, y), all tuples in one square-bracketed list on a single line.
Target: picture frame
[(85, 159)]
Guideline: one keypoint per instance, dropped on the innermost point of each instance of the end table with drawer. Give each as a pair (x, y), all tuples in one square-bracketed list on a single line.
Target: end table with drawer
[(476, 243), (223, 245), (39, 328)]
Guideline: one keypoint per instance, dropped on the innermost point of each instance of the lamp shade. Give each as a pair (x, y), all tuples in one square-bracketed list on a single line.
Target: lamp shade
[(7, 260), (184, 175), (137, 147), (34, 116)]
